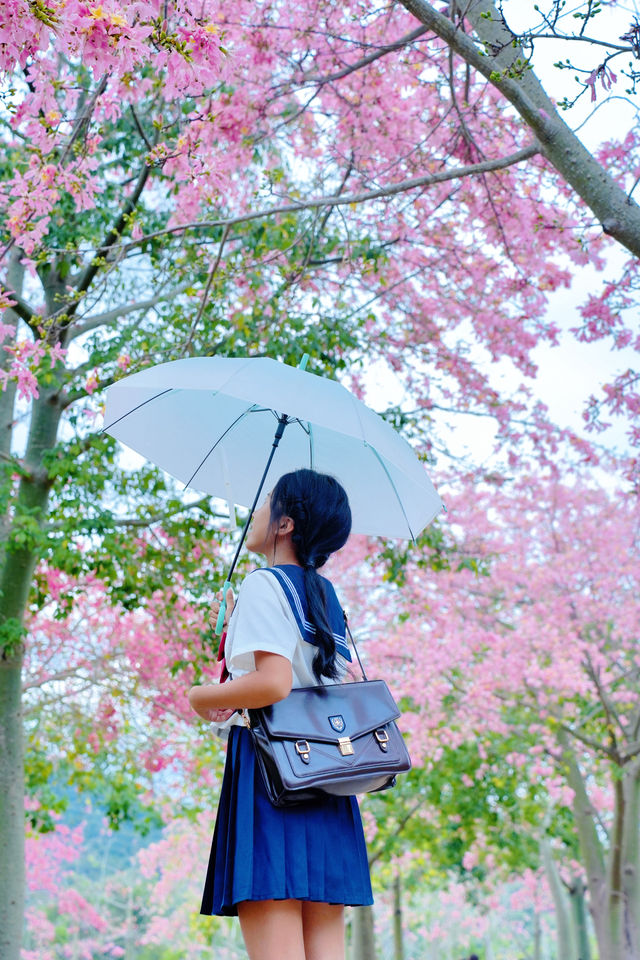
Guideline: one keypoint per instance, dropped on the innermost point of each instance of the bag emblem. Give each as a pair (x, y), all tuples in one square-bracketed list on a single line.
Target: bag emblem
[(337, 723)]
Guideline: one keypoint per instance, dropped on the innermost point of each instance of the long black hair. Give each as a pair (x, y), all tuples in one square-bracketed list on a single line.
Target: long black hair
[(319, 508)]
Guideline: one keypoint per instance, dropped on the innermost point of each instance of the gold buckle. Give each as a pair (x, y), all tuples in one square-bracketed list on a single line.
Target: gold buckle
[(345, 746), (303, 750)]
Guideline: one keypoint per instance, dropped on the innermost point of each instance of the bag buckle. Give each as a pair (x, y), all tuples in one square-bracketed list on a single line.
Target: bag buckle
[(382, 737), (303, 750), (345, 746)]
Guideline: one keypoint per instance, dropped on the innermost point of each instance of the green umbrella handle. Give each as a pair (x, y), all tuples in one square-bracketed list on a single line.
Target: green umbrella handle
[(223, 609)]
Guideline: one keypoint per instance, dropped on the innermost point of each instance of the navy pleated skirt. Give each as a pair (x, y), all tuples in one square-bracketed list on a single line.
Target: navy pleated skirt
[(311, 851)]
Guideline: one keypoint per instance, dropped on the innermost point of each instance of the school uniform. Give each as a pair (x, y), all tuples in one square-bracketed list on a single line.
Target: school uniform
[(311, 851)]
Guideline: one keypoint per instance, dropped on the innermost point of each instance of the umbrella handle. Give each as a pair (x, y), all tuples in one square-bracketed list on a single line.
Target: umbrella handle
[(223, 609)]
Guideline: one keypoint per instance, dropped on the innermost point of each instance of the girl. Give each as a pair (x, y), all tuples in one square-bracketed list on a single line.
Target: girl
[(287, 872)]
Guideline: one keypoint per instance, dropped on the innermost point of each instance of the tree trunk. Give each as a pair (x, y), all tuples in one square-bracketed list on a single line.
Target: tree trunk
[(11, 808), (16, 572), (398, 945), (15, 279), (576, 894), (619, 216), (591, 851), (564, 926), (363, 939), (537, 937), (631, 862)]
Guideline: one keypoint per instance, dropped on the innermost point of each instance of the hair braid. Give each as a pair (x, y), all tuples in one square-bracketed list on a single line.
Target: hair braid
[(319, 508)]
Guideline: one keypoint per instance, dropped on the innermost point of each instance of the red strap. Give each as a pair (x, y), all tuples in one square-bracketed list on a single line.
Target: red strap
[(224, 673)]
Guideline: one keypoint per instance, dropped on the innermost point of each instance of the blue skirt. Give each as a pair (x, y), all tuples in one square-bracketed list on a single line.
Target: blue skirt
[(311, 851)]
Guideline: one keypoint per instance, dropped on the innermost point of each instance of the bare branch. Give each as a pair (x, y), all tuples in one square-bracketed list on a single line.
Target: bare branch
[(370, 58), (600, 748), (109, 241), (139, 127), (564, 36), (401, 825), (610, 710), (83, 119), (205, 295)]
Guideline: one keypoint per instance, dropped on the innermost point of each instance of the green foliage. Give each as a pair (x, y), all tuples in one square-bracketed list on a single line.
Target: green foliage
[(439, 810), (12, 634), (434, 549)]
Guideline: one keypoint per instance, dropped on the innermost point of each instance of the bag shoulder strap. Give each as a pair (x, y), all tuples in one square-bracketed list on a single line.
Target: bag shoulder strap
[(353, 643)]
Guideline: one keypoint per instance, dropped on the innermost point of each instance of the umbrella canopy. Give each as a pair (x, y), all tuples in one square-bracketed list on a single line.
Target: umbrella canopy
[(210, 421)]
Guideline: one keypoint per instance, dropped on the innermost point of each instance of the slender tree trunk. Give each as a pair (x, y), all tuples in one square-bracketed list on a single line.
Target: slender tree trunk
[(564, 926), (537, 937), (11, 745), (363, 939), (631, 862), (398, 944), (11, 808), (16, 571), (15, 279), (576, 894), (591, 851)]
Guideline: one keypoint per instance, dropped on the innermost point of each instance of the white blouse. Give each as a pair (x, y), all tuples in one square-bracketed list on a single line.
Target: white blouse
[(262, 619)]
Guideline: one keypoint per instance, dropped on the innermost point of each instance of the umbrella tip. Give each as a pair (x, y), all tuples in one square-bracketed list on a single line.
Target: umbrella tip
[(303, 363)]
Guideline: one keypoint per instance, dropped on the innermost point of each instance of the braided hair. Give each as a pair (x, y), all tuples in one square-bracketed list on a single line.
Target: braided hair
[(319, 508)]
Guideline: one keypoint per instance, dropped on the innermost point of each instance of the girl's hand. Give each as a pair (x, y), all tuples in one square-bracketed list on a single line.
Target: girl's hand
[(220, 714), (215, 609)]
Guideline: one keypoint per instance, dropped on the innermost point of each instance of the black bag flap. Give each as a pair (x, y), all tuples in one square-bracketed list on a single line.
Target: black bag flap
[(328, 712)]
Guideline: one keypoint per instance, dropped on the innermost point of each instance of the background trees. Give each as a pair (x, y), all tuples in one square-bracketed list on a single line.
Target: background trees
[(540, 649), (348, 181)]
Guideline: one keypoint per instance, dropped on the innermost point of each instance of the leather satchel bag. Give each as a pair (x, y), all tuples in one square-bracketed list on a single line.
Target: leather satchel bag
[(338, 739)]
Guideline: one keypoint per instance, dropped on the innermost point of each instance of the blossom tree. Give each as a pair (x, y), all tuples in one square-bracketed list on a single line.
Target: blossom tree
[(108, 723), (541, 651)]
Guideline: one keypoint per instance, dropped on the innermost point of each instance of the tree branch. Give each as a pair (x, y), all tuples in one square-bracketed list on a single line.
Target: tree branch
[(600, 748), (83, 120), (563, 36), (370, 58), (205, 295), (104, 319), (619, 217), (590, 842), (140, 128), (109, 241), (390, 190), (611, 712), (21, 307), (401, 825), (139, 522)]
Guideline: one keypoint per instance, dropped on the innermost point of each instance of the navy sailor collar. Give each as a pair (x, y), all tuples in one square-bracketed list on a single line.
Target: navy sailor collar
[(291, 579)]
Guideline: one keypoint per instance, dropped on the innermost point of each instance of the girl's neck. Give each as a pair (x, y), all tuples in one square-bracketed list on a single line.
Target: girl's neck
[(283, 553)]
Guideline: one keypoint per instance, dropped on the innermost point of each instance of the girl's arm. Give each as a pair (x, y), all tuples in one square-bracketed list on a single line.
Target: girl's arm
[(269, 682)]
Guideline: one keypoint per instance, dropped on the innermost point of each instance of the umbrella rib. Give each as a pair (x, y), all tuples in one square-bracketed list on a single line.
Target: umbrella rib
[(393, 486), (140, 405), (244, 413), (311, 448)]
